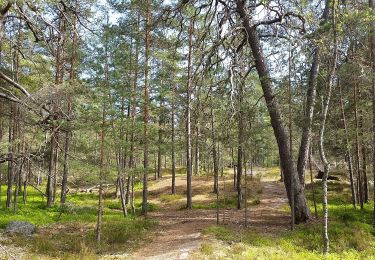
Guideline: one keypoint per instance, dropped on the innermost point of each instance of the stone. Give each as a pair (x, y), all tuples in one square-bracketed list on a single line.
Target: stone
[(20, 227)]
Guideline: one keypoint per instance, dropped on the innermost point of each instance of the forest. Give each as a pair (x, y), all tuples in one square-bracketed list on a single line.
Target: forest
[(177, 129)]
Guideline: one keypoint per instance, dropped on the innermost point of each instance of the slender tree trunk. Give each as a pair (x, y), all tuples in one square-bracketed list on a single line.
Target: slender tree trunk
[(55, 170), (357, 148), (322, 130), (68, 132), (173, 141), (59, 73), (18, 186), (312, 185), (197, 155), (214, 153), (102, 143), (27, 177), (189, 193), (51, 168), (309, 114), (145, 114), (64, 181), (160, 136), (121, 184), (364, 162), (132, 114), (347, 146), (10, 176), (372, 59), (245, 164), (240, 143), (291, 138)]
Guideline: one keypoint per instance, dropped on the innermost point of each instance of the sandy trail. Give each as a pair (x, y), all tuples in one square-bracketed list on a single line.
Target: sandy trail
[(180, 231)]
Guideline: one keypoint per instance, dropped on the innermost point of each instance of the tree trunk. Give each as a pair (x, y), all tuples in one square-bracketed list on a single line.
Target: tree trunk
[(347, 146), (145, 113), (312, 185), (55, 169), (51, 169), (245, 164), (214, 153), (291, 138), (64, 182), (189, 193), (372, 59), (173, 141), (364, 161), (322, 129), (11, 150), (302, 212), (309, 114), (240, 143), (130, 194), (160, 136), (357, 148)]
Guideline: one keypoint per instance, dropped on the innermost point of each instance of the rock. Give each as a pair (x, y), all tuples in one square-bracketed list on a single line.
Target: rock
[(20, 227), (330, 177)]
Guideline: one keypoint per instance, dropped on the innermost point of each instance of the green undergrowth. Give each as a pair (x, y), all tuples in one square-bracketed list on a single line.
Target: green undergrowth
[(355, 241), (170, 198), (168, 171), (74, 241), (351, 233), (68, 231), (80, 207)]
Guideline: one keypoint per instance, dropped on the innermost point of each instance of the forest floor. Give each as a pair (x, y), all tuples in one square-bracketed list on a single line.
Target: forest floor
[(170, 231), (181, 231)]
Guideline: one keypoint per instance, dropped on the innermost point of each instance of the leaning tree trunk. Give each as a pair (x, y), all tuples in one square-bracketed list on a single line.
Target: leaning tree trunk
[(302, 212)]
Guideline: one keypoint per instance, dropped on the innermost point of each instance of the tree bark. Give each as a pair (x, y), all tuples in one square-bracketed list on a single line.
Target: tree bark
[(240, 143), (10, 176), (189, 169), (372, 59), (302, 212), (173, 141), (309, 114), (214, 154), (160, 136), (326, 103), (357, 147), (145, 114), (130, 194), (348, 152)]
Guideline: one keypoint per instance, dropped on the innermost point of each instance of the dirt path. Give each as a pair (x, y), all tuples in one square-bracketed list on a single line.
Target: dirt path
[(180, 231)]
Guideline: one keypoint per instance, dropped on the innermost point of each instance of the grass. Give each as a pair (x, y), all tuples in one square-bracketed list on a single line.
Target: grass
[(347, 242), (170, 198), (350, 231), (72, 240), (75, 223)]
